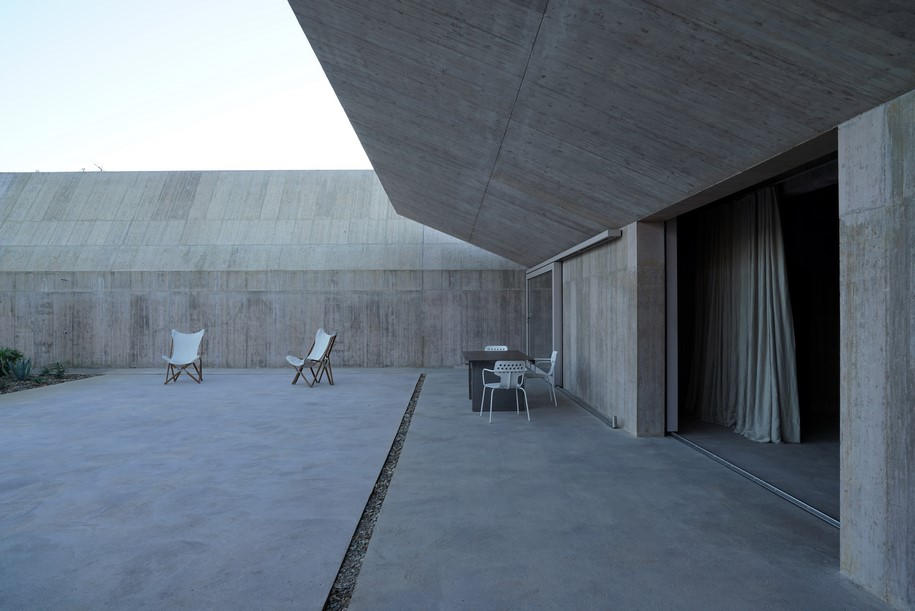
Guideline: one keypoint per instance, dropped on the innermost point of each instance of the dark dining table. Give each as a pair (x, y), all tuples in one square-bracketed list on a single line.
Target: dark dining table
[(477, 361)]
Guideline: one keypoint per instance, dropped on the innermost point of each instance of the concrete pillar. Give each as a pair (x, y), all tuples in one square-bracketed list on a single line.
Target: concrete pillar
[(877, 297), (650, 329)]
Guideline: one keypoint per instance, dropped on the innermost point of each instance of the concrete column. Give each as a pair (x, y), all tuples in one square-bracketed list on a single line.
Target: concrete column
[(877, 297), (650, 329)]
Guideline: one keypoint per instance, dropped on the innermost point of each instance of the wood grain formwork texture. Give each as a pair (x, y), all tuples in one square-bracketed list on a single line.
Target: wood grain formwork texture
[(496, 121), (613, 328), (382, 321), (877, 349), (200, 221), (96, 268)]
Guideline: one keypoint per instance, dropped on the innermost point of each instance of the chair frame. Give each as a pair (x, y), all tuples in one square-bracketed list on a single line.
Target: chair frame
[(516, 369), (172, 371), (536, 373), (322, 363)]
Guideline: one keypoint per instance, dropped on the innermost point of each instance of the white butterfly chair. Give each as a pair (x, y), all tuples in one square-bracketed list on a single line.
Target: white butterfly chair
[(317, 356), (537, 373), (185, 353), (495, 348), (511, 377)]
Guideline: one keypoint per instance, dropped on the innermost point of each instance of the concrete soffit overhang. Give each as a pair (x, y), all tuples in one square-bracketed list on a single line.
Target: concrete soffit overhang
[(528, 127)]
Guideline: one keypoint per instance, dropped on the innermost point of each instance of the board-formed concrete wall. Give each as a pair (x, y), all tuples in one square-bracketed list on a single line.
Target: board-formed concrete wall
[(877, 317), (613, 328), (96, 268)]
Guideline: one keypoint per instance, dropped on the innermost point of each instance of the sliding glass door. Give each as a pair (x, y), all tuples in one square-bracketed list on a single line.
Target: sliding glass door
[(540, 315), (544, 314)]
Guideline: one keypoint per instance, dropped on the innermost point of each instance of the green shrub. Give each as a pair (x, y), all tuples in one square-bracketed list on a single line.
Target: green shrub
[(21, 369), (56, 370), (8, 356)]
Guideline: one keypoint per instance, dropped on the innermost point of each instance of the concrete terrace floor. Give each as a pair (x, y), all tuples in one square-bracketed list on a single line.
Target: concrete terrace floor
[(242, 492), (565, 513)]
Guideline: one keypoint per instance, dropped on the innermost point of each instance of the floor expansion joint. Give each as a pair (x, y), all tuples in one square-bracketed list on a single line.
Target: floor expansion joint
[(345, 583)]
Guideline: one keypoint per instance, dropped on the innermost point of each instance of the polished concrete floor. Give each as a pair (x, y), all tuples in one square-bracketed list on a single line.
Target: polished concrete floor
[(565, 513), (239, 493), (808, 470), (243, 492)]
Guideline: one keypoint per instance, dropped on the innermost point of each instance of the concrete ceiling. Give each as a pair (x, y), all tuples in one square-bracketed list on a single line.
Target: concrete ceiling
[(527, 126)]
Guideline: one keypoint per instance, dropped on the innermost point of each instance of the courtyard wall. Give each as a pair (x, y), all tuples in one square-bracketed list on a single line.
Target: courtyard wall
[(96, 268)]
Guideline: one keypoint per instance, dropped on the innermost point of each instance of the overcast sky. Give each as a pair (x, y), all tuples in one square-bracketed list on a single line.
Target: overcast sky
[(165, 85)]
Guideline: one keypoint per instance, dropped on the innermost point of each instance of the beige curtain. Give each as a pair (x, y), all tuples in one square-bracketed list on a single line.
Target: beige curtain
[(742, 371)]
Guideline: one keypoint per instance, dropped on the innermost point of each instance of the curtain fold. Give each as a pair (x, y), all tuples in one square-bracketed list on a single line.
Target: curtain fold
[(742, 371)]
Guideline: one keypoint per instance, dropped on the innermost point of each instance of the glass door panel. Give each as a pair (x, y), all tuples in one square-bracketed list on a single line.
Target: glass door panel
[(540, 315)]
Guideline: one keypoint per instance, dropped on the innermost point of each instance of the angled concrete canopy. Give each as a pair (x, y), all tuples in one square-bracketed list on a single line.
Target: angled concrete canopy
[(525, 127)]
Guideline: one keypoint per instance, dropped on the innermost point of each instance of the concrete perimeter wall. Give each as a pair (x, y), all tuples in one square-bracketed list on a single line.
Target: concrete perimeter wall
[(613, 328), (96, 268), (877, 309)]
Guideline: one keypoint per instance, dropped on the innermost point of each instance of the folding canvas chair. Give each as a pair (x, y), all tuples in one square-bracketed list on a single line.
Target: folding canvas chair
[(317, 359), (185, 353)]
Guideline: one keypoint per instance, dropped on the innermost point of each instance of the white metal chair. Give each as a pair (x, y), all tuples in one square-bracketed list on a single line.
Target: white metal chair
[(185, 353), (536, 373), (495, 348), (317, 356), (511, 377)]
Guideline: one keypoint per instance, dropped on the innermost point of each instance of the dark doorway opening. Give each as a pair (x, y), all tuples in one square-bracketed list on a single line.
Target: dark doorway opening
[(810, 226), (808, 470)]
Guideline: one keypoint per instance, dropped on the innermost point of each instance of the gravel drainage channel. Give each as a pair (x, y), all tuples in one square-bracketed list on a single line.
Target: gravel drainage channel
[(342, 590)]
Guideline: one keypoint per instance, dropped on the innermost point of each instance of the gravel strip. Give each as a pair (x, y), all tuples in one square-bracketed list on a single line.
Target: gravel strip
[(342, 590)]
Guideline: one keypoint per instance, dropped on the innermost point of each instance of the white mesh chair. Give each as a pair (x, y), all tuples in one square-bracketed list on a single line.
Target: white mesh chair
[(318, 356), (537, 373), (511, 377), (493, 348), (185, 353)]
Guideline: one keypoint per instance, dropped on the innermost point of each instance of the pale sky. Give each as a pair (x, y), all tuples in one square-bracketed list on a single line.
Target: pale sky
[(165, 85)]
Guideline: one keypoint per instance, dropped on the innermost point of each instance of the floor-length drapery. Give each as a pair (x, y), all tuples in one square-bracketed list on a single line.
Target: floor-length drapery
[(742, 371)]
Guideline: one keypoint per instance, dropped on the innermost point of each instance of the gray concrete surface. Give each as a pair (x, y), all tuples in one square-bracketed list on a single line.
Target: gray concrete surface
[(527, 127), (237, 220), (877, 322), (242, 492), (97, 268), (390, 318), (565, 513), (808, 470), (613, 321)]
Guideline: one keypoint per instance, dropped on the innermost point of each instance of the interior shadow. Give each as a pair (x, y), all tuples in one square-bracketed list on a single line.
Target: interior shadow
[(808, 470)]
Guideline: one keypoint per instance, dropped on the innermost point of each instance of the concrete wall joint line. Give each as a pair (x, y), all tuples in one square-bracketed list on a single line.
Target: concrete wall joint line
[(508, 121)]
